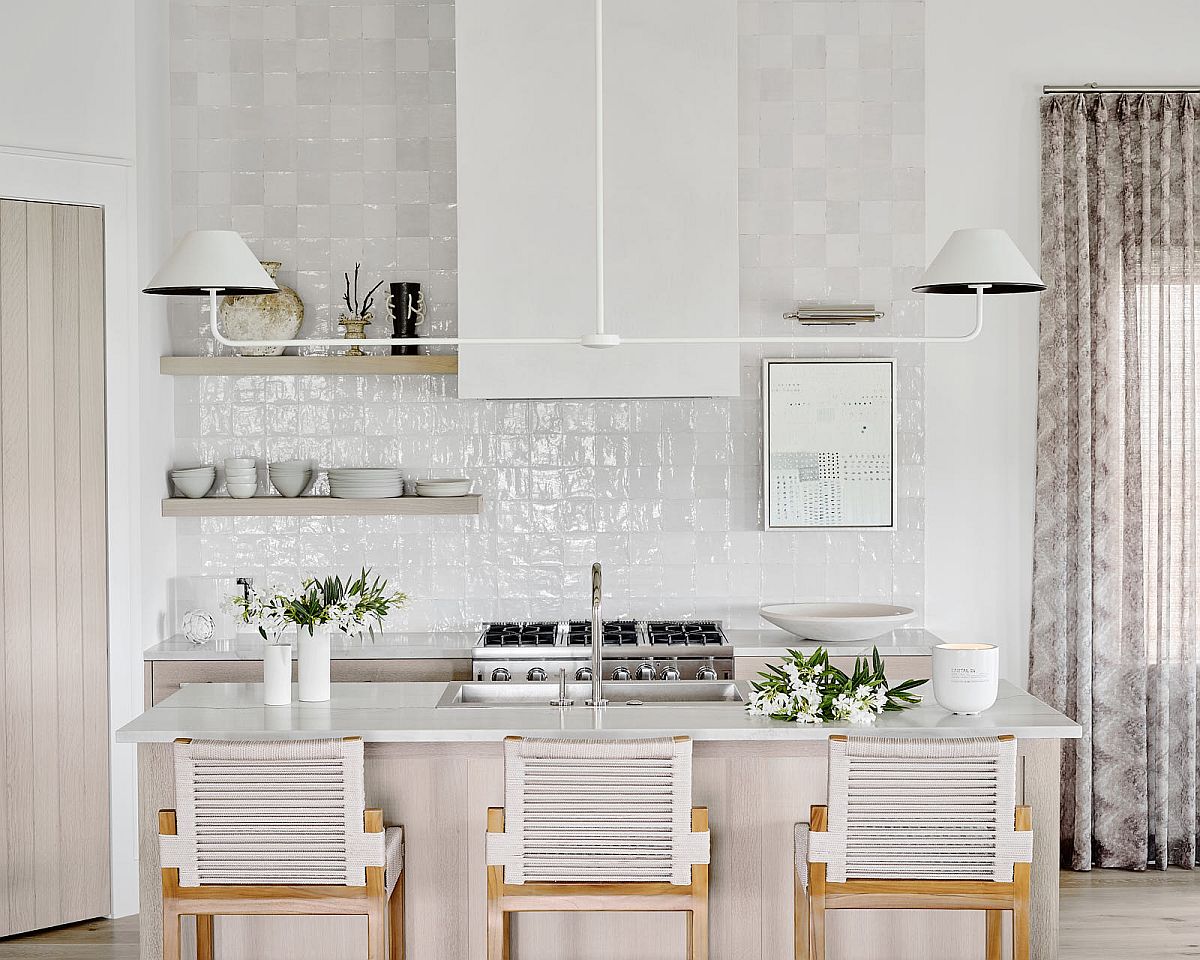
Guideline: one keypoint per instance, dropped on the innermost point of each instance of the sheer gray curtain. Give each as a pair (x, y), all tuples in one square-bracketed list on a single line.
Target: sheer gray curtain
[(1113, 639)]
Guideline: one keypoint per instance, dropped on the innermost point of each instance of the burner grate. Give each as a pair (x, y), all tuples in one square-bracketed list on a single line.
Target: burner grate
[(616, 633), (684, 632), (530, 634)]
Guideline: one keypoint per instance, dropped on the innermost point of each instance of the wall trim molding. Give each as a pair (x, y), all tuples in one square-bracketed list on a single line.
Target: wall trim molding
[(96, 158)]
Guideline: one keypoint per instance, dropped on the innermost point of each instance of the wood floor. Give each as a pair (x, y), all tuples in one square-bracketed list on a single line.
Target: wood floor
[(1105, 914)]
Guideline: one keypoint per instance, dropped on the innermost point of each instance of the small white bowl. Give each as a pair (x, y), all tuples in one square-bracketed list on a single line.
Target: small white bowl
[(193, 471), (195, 487), (241, 491), (291, 486), (290, 465), (232, 463)]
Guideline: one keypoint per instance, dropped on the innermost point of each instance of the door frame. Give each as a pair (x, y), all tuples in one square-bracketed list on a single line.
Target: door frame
[(110, 183)]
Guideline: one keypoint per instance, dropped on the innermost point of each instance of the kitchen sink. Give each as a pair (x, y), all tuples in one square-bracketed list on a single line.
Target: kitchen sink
[(618, 693)]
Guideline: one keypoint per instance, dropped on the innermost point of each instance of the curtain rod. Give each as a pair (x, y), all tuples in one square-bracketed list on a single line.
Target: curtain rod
[(1098, 88)]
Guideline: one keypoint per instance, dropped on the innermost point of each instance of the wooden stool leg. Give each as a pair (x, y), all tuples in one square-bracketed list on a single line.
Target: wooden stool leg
[(800, 931), (1021, 928), (396, 921), (204, 937), (995, 934), (698, 932), (377, 932), (171, 936)]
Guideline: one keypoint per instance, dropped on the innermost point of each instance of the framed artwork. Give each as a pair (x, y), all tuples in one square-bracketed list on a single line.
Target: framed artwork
[(829, 444)]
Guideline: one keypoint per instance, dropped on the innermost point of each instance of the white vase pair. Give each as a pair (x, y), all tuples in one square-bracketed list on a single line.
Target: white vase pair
[(313, 656)]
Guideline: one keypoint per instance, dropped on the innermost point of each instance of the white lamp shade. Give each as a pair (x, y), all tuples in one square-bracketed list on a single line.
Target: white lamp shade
[(980, 256), (207, 260)]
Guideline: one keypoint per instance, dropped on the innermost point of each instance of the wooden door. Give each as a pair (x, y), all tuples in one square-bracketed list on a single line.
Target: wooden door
[(54, 819)]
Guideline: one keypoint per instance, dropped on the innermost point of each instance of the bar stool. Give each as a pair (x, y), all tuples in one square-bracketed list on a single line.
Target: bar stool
[(597, 825), (916, 824), (277, 828)]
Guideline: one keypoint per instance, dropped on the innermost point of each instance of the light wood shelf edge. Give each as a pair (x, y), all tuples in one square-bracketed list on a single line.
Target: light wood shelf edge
[(276, 366), (469, 505)]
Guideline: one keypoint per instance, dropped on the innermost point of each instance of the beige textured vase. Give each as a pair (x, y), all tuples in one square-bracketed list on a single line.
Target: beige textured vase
[(263, 316)]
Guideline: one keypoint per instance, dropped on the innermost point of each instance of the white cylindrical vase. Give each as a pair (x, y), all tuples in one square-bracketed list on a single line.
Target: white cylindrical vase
[(277, 674), (313, 654), (966, 676)]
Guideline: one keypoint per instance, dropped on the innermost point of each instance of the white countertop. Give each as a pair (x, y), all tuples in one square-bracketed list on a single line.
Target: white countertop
[(768, 642), (407, 712)]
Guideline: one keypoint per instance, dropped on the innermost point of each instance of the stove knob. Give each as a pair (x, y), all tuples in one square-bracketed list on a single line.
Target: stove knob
[(537, 673), (583, 673), (670, 672), (645, 671), (707, 672), (621, 673), (500, 673)]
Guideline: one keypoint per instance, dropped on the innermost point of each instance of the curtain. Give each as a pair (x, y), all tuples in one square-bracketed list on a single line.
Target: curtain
[(1113, 641)]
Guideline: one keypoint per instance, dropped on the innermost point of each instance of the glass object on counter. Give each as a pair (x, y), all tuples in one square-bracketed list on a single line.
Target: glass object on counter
[(199, 626)]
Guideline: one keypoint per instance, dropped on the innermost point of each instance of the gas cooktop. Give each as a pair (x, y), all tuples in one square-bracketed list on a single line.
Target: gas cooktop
[(617, 633)]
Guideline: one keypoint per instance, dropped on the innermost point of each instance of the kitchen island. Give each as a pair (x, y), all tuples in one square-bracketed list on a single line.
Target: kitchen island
[(436, 769)]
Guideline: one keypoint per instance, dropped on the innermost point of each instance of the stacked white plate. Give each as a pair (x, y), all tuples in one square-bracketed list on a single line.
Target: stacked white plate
[(194, 482), (365, 483), (456, 487), (290, 477)]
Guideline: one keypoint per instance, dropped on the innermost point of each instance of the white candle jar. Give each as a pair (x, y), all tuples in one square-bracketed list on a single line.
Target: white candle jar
[(966, 676)]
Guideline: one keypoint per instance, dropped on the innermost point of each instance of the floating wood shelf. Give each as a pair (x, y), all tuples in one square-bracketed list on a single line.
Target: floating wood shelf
[(469, 505), (276, 366)]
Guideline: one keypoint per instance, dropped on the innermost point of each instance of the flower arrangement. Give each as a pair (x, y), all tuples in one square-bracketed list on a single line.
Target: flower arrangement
[(351, 605), (809, 690), (265, 609), (354, 604)]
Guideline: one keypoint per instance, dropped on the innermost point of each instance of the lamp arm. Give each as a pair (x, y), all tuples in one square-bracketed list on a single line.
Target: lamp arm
[(601, 341)]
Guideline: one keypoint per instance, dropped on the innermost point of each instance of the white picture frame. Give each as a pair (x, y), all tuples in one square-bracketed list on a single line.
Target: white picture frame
[(829, 444)]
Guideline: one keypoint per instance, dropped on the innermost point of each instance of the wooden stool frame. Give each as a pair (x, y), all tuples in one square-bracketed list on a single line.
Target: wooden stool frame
[(385, 915), (505, 899), (995, 897)]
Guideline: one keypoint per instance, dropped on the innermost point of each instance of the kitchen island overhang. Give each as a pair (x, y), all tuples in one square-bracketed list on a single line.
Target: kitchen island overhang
[(437, 770)]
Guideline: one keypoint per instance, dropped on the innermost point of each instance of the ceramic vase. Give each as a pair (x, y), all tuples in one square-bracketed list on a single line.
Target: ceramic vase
[(966, 676), (263, 316), (277, 674), (313, 655)]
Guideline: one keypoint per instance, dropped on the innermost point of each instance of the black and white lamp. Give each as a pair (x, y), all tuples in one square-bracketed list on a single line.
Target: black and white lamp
[(211, 263), (983, 261)]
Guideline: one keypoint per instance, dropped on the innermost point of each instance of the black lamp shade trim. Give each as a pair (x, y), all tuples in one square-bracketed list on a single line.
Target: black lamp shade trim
[(965, 288), (203, 291)]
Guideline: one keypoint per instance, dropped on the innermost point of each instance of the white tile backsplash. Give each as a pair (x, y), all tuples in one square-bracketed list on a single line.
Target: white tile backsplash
[(325, 134)]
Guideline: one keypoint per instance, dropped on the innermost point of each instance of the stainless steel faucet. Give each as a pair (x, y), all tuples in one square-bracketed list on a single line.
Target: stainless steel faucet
[(597, 697)]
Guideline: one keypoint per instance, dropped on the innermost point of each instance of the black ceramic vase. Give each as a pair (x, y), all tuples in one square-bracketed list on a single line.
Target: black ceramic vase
[(406, 304)]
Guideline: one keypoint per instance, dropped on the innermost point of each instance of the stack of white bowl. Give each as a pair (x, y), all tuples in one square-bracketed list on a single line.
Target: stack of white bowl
[(290, 477), (241, 477), (365, 483), (455, 487), (194, 482)]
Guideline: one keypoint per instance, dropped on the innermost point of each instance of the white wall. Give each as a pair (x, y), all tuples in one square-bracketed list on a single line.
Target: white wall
[(85, 119), (986, 63), (66, 69)]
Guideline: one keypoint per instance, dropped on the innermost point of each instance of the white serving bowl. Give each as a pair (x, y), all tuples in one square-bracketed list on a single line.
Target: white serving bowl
[(290, 465), (195, 486), (193, 471), (233, 463), (241, 491), (837, 622), (241, 476)]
